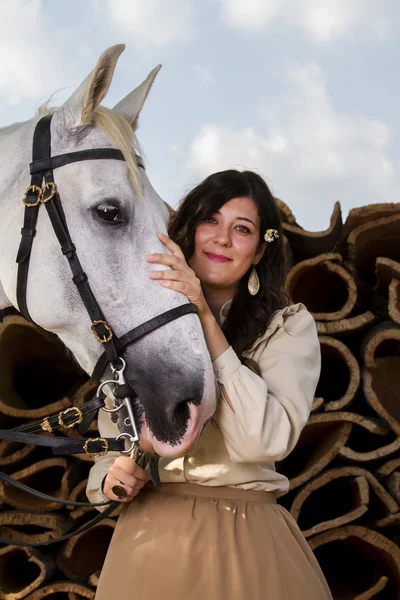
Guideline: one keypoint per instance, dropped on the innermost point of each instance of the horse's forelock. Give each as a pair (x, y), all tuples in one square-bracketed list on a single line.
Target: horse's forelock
[(120, 131)]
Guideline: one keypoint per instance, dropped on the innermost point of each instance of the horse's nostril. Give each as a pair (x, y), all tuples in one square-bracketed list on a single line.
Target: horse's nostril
[(180, 413)]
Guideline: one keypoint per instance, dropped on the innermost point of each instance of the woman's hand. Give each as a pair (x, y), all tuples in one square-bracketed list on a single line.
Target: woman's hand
[(125, 473), (181, 277)]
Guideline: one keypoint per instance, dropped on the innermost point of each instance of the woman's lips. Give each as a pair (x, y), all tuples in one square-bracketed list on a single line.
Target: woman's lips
[(217, 257)]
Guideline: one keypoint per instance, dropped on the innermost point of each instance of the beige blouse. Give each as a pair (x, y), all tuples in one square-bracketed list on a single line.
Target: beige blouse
[(239, 447)]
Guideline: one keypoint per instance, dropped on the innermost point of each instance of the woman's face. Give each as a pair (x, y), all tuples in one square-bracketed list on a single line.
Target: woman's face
[(227, 244)]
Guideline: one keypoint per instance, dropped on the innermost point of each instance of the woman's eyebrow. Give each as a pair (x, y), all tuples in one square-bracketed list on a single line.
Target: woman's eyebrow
[(240, 218), (246, 219)]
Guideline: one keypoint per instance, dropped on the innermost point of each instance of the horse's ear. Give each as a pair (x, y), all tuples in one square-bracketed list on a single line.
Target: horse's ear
[(132, 104), (79, 108)]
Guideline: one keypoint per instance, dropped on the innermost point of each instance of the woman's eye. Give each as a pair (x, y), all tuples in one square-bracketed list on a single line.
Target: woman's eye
[(108, 212), (209, 220), (243, 229)]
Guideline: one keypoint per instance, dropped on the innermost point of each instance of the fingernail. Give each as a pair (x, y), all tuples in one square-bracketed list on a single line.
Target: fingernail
[(151, 275)]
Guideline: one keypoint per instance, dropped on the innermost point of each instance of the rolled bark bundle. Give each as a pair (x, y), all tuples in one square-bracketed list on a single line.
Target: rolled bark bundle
[(37, 377), (322, 439), (381, 393), (78, 494), (388, 285), (31, 528), (380, 449), (381, 375), (94, 579), (362, 215), (63, 590), (351, 325), (22, 570), (286, 214), (340, 374), (371, 240), (318, 445), (389, 473), (326, 288), (50, 476), (394, 301), (339, 496), (84, 554), (317, 405), (358, 563), (308, 244), (12, 453), (381, 342)]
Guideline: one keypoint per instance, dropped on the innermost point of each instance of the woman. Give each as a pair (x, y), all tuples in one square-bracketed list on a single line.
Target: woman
[(213, 529)]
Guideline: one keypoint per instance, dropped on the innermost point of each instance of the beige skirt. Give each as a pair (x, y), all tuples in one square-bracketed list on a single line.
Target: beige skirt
[(189, 542)]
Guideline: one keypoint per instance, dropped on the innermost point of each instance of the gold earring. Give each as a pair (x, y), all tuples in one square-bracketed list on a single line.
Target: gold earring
[(253, 284)]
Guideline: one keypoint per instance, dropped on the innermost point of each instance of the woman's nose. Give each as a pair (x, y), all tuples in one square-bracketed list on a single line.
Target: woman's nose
[(223, 237)]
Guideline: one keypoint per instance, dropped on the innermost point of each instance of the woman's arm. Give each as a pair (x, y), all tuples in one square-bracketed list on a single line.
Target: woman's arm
[(265, 415)]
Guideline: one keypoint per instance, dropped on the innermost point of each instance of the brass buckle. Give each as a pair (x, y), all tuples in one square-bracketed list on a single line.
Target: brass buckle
[(36, 190), (104, 339), (101, 453), (45, 425), (78, 417), (50, 185)]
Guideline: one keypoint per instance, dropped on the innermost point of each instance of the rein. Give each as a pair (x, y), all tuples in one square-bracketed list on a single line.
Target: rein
[(43, 190)]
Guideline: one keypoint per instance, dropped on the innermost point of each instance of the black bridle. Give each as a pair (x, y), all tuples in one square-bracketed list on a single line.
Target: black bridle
[(43, 190)]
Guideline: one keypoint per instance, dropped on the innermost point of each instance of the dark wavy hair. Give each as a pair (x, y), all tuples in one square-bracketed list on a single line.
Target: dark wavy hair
[(249, 315)]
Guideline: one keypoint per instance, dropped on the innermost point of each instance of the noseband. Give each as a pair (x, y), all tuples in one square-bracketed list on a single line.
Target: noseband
[(43, 190)]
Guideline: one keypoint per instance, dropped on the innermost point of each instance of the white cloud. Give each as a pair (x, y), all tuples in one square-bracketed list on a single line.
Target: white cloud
[(312, 154), (251, 14), (322, 20), (33, 60), (156, 22), (204, 75)]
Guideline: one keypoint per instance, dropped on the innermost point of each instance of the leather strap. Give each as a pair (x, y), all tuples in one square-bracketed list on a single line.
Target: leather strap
[(82, 415), (97, 519), (64, 445), (41, 149), (38, 166), (142, 330)]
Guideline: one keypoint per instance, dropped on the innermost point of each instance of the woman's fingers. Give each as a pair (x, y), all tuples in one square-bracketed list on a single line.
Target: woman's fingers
[(112, 485), (172, 246), (166, 259), (172, 275), (126, 474), (175, 260), (127, 479), (129, 466)]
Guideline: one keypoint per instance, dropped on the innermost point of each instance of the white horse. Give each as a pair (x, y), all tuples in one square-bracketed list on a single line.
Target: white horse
[(113, 215)]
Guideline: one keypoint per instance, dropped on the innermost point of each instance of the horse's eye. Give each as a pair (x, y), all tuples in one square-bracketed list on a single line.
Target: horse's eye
[(108, 212)]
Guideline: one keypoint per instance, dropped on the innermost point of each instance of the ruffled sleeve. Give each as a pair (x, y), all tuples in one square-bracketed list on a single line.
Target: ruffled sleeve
[(269, 412)]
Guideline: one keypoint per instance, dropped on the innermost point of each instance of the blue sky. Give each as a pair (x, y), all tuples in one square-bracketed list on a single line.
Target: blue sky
[(306, 92)]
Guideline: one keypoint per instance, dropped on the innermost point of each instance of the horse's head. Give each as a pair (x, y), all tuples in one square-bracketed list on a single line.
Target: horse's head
[(113, 215)]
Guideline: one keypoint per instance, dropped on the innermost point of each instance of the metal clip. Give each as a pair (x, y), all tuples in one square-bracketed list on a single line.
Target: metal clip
[(132, 441)]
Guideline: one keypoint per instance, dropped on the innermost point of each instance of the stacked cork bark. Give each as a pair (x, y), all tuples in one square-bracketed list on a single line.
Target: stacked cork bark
[(344, 473)]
